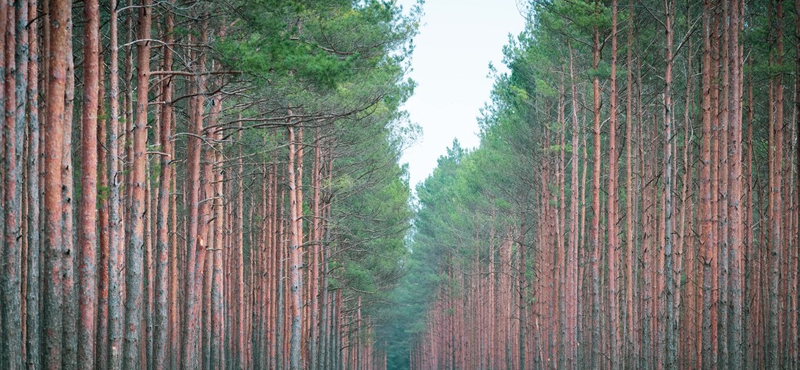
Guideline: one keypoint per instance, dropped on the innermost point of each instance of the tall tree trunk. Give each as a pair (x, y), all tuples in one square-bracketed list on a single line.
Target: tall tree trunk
[(582, 257), (33, 320), (174, 306), (686, 324), (165, 181), (296, 254), (797, 171), (315, 258), (595, 238), (571, 339), (630, 353), (128, 119), (203, 262), (195, 253), (4, 9), (87, 234), (752, 259), (134, 299), (280, 259), (776, 216), (101, 340), (560, 266), (115, 235), (70, 312), (612, 198), (797, 182), (218, 288), (21, 59), (53, 137), (206, 232), (327, 305), (706, 212), (735, 231), (15, 79), (240, 355), (671, 321), (523, 293)]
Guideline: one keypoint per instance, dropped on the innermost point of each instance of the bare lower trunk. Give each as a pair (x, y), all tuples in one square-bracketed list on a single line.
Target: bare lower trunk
[(735, 231), (115, 235), (162, 277), (14, 76), (87, 233), (53, 138), (33, 343), (705, 214), (296, 256), (776, 216), (671, 321), (134, 263), (612, 199), (595, 238)]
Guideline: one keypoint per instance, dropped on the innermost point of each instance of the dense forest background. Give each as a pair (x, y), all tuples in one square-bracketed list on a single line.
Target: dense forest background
[(633, 202), (201, 184), (215, 184)]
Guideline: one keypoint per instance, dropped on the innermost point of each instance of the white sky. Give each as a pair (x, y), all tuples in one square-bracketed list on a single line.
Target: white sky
[(456, 42)]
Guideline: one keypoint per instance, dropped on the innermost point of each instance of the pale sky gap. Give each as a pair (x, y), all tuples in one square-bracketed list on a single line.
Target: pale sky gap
[(457, 40)]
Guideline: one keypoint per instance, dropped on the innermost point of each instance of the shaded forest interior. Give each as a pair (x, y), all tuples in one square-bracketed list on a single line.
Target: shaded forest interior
[(216, 185), (201, 184)]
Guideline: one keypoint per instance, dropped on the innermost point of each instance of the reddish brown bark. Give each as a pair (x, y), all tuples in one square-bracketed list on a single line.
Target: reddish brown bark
[(115, 235), (796, 318), (174, 307), (776, 214), (134, 263), (721, 106), (240, 354), (218, 288), (705, 211), (101, 357), (70, 309), (206, 231), (735, 230), (571, 352), (751, 267), (53, 137), (33, 340), (613, 243), (315, 259), (671, 319), (595, 237), (87, 235), (631, 342), (195, 251), (12, 323), (162, 276), (296, 254)]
